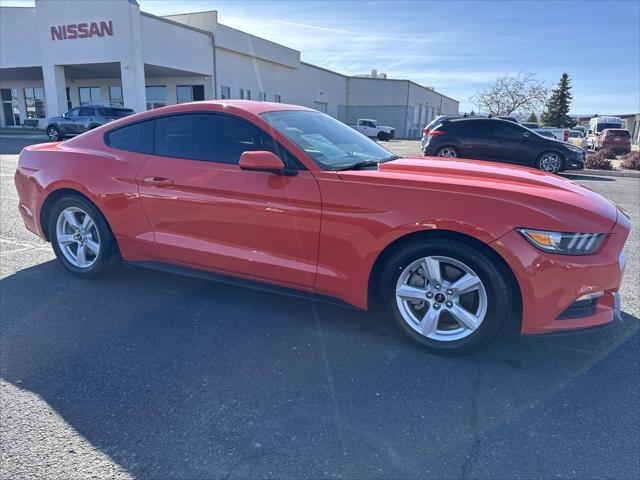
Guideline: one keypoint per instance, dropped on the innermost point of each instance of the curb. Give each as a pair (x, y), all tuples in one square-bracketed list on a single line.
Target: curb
[(604, 173), (31, 131)]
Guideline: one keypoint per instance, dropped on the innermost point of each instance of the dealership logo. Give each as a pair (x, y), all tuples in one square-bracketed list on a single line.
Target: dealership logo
[(82, 30)]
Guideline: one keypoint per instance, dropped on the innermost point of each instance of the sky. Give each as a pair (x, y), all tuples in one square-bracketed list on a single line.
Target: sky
[(455, 46)]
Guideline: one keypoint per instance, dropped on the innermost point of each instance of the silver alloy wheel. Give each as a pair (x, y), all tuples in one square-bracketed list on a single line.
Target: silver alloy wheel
[(78, 237), (441, 298), (447, 152), (550, 162), (53, 134)]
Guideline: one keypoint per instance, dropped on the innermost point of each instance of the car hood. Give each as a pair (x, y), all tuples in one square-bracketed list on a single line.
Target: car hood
[(543, 200)]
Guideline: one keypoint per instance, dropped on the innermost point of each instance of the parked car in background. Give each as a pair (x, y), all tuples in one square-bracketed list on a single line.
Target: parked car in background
[(509, 119), (530, 125), (577, 138), (438, 121), (82, 119), (248, 192), (544, 133), (560, 134), (371, 128), (502, 141), (616, 139), (597, 125)]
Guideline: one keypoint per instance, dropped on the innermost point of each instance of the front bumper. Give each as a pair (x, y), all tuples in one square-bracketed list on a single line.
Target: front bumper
[(550, 283), (575, 160)]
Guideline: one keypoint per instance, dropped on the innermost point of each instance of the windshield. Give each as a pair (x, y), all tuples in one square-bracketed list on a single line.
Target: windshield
[(603, 126), (330, 143), (573, 134), (618, 133)]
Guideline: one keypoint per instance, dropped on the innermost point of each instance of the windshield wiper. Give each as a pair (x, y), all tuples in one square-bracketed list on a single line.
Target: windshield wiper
[(388, 159), (356, 165)]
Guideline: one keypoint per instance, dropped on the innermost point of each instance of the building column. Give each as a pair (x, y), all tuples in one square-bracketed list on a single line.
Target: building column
[(55, 90), (133, 83), (210, 88)]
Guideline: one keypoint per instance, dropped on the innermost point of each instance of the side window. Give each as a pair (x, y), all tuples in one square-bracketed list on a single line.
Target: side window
[(134, 138), (212, 138), (480, 128), (86, 112), (508, 131), (73, 113)]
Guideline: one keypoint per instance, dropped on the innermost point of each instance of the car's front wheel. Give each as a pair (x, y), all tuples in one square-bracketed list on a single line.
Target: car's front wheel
[(80, 236), (447, 295), (53, 133), (447, 151), (551, 162), (383, 136)]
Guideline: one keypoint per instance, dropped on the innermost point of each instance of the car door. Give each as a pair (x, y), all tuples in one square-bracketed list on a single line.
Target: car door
[(514, 144), (364, 127), (476, 138), (85, 118), (66, 123), (208, 213)]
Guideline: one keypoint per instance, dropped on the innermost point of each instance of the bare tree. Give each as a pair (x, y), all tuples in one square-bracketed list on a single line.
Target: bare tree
[(509, 95)]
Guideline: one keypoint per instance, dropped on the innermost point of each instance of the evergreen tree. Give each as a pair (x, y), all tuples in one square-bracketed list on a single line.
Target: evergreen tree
[(556, 112), (472, 114), (532, 118)]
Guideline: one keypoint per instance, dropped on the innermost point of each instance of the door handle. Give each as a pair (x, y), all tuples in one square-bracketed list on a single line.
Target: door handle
[(158, 181)]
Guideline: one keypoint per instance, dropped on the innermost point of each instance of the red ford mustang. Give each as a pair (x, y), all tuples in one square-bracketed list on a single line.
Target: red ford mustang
[(289, 198)]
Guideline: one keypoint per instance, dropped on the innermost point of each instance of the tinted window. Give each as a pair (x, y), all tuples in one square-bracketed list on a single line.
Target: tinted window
[(618, 133), (86, 112), (483, 128), (210, 137), (604, 126), (73, 113), (134, 138), (509, 131), (114, 112)]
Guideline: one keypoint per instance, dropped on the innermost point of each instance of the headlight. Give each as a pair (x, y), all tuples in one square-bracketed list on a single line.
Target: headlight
[(562, 242)]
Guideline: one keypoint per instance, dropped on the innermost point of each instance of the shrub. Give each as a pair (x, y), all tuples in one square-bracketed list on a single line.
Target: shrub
[(631, 161), (598, 161), (608, 153)]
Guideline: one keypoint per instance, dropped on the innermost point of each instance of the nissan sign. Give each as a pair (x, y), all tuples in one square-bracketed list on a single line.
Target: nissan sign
[(82, 30)]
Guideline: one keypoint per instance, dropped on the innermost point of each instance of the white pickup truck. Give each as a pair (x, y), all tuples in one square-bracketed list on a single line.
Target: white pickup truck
[(371, 128), (560, 134)]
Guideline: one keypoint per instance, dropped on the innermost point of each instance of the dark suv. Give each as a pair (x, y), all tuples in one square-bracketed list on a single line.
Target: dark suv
[(81, 119), (501, 141)]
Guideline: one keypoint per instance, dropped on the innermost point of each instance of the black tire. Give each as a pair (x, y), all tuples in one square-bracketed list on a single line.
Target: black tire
[(53, 132), (499, 293), (106, 241), (558, 167), (448, 148), (383, 136)]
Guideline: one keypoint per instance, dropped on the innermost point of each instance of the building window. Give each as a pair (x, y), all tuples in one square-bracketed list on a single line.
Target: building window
[(89, 95), (115, 95), (320, 106), (189, 93), (10, 110), (34, 98), (156, 96), (248, 94), (262, 96), (277, 98), (69, 106), (241, 94), (225, 93)]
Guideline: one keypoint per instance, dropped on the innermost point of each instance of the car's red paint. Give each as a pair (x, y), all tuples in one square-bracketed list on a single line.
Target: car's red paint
[(323, 231)]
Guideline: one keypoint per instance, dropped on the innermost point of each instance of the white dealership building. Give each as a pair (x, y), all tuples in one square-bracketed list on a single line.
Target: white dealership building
[(63, 53)]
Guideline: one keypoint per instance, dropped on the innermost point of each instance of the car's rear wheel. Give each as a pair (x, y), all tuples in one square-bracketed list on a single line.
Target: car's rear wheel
[(447, 151), (383, 136), (80, 236), (551, 162), (446, 295), (54, 133)]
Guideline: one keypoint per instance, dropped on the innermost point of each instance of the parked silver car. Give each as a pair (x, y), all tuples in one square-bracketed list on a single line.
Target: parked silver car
[(81, 119)]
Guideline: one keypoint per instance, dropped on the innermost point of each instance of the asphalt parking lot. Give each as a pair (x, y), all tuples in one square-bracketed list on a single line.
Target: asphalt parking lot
[(141, 374)]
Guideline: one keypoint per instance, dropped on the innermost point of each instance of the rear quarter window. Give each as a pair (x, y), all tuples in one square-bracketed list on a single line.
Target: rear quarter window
[(137, 137)]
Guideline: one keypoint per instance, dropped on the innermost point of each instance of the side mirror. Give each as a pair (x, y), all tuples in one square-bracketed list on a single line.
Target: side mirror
[(64, 115), (590, 132), (263, 161)]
